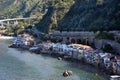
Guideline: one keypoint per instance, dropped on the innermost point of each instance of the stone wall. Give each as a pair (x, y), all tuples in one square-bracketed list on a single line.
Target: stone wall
[(74, 34), (84, 36), (101, 43)]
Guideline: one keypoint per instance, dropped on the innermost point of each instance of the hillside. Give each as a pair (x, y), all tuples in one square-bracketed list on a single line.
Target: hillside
[(92, 15), (26, 8), (39, 8), (18, 8), (54, 13), (70, 15)]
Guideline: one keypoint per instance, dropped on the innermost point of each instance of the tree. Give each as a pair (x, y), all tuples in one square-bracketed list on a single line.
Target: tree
[(108, 48)]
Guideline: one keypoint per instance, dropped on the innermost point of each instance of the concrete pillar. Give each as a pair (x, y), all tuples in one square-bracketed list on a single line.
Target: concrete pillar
[(8, 22), (78, 41), (70, 39), (29, 22), (82, 40), (64, 39), (75, 40), (2, 24), (115, 38), (15, 22), (86, 40)]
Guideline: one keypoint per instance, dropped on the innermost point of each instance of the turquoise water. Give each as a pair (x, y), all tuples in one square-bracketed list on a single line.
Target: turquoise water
[(22, 65)]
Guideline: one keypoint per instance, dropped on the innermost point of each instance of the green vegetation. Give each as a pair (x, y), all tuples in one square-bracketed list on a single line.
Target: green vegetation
[(20, 8), (118, 40), (92, 15), (105, 35), (52, 39), (15, 29), (108, 48), (56, 11), (66, 15), (39, 8)]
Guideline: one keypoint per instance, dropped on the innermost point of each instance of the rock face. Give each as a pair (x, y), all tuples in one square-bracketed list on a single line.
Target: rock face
[(92, 15), (67, 73)]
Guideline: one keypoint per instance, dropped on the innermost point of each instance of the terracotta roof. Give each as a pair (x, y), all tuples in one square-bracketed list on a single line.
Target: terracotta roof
[(111, 56), (118, 59), (80, 45)]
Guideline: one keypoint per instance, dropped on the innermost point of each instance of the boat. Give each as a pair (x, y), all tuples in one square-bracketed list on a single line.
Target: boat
[(115, 77)]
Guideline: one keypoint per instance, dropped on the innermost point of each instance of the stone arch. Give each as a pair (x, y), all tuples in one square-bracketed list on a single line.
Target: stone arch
[(79, 41), (108, 48), (72, 40)]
